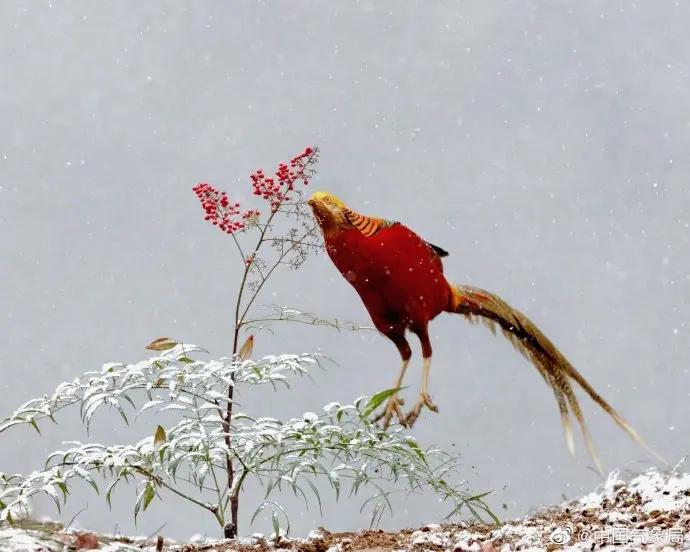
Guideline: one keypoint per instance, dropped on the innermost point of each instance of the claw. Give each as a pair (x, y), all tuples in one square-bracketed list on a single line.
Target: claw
[(424, 400), (392, 409)]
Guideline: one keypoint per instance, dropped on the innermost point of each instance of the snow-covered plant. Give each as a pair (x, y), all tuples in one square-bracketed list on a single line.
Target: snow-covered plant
[(213, 451), (339, 445)]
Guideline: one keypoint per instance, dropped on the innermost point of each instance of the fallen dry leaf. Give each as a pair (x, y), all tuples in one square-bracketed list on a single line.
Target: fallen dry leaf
[(86, 541)]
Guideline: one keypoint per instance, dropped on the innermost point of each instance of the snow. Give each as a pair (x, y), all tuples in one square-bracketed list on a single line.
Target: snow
[(626, 512), (627, 506)]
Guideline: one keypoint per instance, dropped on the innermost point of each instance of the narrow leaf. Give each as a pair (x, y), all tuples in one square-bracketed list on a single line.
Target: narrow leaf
[(137, 506), (247, 348), (109, 492), (418, 451), (149, 494), (159, 437), (161, 344), (316, 493), (378, 399), (276, 523), (122, 413), (159, 440), (63, 487), (258, 511)]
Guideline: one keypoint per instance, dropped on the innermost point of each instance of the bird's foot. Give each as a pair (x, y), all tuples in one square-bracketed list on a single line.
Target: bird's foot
[(392, 409), (424, 400)]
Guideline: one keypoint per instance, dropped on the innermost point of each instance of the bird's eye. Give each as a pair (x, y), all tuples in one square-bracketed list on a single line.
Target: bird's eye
[(327, 199)]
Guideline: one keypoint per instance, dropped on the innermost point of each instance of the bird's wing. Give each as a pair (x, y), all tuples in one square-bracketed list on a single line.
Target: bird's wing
[(370, 226), (439, 251)]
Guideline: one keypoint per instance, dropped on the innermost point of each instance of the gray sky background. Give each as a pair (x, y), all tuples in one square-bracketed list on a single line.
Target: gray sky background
[(544, 144)]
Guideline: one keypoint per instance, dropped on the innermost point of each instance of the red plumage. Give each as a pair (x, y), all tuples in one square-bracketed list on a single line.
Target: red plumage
[(400, 280), (396, 273)]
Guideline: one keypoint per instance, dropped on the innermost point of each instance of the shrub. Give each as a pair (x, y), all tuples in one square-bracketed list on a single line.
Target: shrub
[(213, 450)]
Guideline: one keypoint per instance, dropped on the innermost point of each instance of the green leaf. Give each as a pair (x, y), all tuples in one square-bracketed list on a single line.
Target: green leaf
[(185, 360), (316, 494), (122, 413), (93, 483), (149, 494), (129, 400), (258, 511), (159, 438), (418, 451), (472, 510), (378, 399), (377, 510), (109, 491), (35, 425), (137, 507), (479, 497), (57, 502)]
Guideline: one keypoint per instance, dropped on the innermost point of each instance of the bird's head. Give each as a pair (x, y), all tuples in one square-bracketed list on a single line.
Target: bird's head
[(328, 211)]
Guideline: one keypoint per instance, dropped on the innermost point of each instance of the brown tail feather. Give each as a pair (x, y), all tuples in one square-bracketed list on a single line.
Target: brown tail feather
[(478, 305)]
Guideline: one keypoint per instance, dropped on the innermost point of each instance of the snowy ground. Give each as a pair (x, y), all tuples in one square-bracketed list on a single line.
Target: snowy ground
[(649, 511)]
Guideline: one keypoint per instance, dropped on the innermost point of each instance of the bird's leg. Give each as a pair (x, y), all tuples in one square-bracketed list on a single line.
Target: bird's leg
[(424, 397), (394, 402)]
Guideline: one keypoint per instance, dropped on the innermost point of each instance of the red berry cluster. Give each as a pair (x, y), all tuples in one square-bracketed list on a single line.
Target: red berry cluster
[(276, 190), (218, 208), (221, 212)]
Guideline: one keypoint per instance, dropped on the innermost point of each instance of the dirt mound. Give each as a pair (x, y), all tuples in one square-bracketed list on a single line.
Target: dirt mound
[(649, 511)]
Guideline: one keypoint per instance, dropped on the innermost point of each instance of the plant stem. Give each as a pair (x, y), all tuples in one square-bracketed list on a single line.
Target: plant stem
[(210, 507), (276, 265), (230, 530)]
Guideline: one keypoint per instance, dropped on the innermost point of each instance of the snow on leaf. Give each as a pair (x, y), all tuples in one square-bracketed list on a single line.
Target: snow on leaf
[(310, 417), (174, 406), (86, 476), (149, 404), (331, 406)]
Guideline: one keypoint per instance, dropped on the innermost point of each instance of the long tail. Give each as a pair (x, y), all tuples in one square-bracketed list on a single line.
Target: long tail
[(478, 305)]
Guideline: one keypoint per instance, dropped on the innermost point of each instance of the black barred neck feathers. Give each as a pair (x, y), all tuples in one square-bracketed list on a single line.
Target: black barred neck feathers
[(368, 226)]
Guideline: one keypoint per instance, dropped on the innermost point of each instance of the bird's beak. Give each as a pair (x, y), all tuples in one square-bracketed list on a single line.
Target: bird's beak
[(317, 208)]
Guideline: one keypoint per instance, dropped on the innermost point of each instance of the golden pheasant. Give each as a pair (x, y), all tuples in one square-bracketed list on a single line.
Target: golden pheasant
[(400, 279)]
